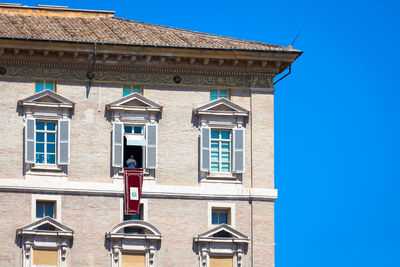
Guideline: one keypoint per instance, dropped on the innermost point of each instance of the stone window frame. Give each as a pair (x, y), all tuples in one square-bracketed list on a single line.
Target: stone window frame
[(48, 198), (221, 205), (141, 115), (208, 245), (227, 120), (60, 109), (31, 238), (148, 243)]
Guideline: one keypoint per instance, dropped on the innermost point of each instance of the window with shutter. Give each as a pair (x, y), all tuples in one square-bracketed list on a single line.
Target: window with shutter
[(151, 148), (238, 150), (205, 147), (117, 137)]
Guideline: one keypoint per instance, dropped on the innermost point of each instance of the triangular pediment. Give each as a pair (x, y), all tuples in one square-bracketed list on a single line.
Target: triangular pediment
[(134, 102), (223, 231), (46, 224), (47, 98), (221, 106)]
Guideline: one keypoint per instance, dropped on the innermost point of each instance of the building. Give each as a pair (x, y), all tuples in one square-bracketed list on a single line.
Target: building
[(81, 91)]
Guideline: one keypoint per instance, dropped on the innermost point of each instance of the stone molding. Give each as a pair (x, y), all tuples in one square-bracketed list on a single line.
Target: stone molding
[(147, 243), (176, 75), (211, 245), (59, 239), (150, 190)]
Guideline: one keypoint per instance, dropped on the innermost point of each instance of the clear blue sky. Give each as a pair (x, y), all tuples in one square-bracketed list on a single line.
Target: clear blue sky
[(336, 118)]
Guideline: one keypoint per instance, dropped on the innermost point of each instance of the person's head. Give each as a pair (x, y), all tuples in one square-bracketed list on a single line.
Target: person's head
[(131, 157)]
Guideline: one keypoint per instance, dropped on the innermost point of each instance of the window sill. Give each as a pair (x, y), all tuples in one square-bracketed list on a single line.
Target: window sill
[(146, 174), (221, 176), (228, 178), (46, 170)]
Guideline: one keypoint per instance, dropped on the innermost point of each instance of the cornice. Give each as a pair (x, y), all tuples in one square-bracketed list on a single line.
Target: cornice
[(177, 75)]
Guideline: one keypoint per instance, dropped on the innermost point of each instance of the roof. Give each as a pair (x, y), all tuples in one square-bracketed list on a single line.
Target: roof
[(87, 26)]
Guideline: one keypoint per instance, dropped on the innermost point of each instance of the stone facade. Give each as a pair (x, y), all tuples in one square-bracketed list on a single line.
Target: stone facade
[(178, 196)]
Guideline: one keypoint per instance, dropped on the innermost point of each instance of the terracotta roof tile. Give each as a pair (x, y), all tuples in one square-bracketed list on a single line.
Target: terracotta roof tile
[(118, 31)]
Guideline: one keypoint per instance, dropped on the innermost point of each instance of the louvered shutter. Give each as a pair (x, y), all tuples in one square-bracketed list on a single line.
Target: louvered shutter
[(151, 148), (63, 141), (238, 150), (30, 140), (205, 148), (117, 145)]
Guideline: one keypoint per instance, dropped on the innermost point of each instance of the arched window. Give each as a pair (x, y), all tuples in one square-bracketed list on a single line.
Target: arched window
[(136, 247)]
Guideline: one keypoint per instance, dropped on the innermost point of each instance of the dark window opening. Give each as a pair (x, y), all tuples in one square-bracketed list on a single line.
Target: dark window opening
[(136, 151), (44, 209), (47, 226), (222, 233), (136, 216), (133, 230)]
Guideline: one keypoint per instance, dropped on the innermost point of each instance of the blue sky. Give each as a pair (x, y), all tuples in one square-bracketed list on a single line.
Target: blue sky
[(336, 118)]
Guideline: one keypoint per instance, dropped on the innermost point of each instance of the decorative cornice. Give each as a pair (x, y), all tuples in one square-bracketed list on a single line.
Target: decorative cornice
[(166, 73)]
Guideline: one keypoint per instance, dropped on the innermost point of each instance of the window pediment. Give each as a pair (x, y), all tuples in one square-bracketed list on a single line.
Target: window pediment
[(149, 230), (222, 233), (134, 103), (54, 236), (34, 228), (222, 240), (46, 99), (146, 243), (221, 107)]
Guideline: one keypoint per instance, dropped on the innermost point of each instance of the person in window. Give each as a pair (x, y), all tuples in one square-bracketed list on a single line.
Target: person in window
[(131, 162)]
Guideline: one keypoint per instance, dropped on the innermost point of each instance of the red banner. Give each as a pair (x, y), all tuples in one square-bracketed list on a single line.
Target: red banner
[(133, 180)]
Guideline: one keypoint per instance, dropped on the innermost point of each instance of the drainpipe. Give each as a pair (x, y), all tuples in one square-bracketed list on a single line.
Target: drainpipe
[(251, 177)]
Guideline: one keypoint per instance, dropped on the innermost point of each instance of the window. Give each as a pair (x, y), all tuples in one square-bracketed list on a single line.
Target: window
[(221, 213), (133, 129), (44, 258), (221, 261), (220, 151), (44, 209), (45, 136), (46, 206), (45, 248), (220, 216), (134, 144), (134, 230), (133, 249), (137, 260), (45, 85), (129, 89), (218, 93)]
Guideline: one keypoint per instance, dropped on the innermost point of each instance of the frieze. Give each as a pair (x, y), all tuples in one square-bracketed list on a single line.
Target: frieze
[(168, 75)]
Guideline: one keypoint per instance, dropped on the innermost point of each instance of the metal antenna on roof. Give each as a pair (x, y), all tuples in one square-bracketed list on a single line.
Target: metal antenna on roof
[(295, 38), (90, 74)]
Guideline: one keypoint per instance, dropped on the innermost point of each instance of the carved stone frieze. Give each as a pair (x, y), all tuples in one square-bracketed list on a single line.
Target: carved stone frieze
[(150, 75)]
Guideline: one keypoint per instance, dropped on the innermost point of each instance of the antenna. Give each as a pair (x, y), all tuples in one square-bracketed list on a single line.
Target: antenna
[(295, 38)]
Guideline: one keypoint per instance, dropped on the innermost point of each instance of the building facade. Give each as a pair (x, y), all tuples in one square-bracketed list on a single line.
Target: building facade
[(82, 91)]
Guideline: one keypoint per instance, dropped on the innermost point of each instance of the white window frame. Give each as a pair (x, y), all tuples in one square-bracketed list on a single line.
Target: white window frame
[(143, 126), (44, 85), (220, 140), (219, 93), (222, 205), (46, 198), (45, 131)]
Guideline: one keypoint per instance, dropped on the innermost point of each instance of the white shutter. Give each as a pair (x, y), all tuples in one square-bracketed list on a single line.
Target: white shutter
[(117, 144), (238, 150), (63, 141), (205, 149), (151, 148), (30, 140)]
